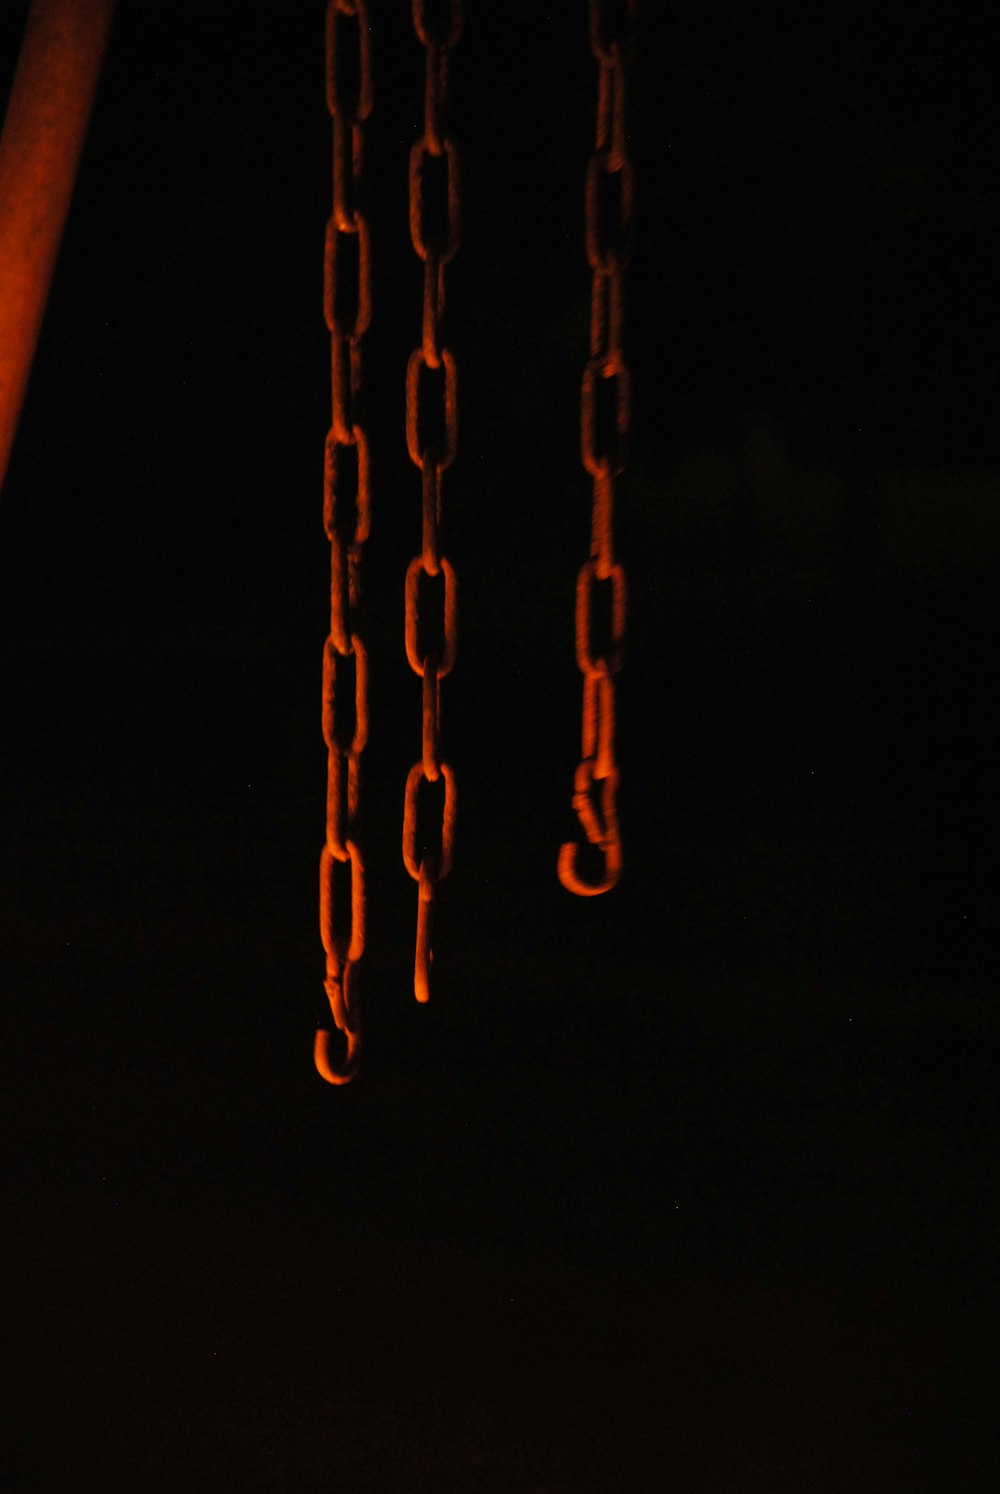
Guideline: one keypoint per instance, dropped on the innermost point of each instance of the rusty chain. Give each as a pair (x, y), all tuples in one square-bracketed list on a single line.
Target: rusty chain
[(605, 417), (347, 522), (435, 229), (431, 438)]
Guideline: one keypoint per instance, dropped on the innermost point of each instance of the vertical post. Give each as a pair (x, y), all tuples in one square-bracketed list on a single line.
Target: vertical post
[(43, 133)]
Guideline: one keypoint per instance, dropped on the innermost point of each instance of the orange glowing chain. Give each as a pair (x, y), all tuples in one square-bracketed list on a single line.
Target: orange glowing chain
[(605, 416), (347, 521), (435, 228)]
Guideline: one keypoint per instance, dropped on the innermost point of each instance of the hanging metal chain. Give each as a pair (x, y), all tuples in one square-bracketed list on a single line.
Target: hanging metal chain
[(605, 417), (347, 521), (431, 439)]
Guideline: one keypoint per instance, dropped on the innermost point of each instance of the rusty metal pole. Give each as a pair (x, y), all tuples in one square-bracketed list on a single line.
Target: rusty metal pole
[(43, 133)]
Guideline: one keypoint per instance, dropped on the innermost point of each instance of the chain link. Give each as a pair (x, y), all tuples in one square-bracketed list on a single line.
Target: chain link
[(435, 238), (347, 524), (608, 217)]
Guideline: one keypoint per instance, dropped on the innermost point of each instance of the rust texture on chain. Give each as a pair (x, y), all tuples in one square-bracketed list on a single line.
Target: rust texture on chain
[(347, 521), (431, 439), (605, 416)]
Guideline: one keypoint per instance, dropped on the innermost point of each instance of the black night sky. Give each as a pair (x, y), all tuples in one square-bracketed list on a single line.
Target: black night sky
[(685, 1188)]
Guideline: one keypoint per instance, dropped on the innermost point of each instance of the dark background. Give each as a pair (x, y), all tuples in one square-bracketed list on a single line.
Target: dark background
[(681, 1188)]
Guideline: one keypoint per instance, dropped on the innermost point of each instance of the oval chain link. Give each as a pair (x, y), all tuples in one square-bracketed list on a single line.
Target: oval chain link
[(347, 523), (603, 453), (436, 247)]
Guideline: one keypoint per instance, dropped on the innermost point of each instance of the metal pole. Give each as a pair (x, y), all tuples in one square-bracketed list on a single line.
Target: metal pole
[(43, 134)]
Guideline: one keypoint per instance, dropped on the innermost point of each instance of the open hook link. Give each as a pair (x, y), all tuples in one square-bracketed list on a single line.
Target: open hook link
[(347, 1019)]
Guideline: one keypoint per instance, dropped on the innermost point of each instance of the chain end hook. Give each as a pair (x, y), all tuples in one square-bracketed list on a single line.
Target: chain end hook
[(343, 1005), (334, 1073), (600, 829), (571, 879)]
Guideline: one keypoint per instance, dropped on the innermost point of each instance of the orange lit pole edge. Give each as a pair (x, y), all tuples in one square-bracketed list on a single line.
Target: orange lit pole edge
[(347, 523), (605, 416), (57, 72), (435, 230)]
